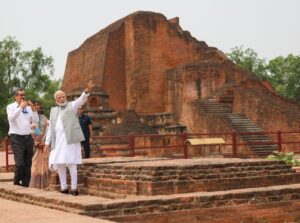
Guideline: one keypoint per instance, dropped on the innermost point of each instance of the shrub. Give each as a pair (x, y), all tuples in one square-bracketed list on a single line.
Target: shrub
[(288, 158)]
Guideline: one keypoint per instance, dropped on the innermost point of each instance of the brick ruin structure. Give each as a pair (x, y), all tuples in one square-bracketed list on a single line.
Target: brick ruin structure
[(153, 77), (148, 64)]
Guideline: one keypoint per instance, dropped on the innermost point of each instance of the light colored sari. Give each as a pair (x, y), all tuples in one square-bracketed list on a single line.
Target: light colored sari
[(39, 171)]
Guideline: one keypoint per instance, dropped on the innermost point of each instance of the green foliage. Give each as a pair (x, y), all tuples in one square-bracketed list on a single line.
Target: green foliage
[(288, 158), (285, 75), (248, 60), (282, 72), (31, 70)]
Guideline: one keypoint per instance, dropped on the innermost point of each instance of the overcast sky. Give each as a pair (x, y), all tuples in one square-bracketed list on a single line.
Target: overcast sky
[(270, 27)]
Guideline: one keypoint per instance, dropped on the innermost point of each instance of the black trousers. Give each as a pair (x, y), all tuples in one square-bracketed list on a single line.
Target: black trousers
[(87, 148), (22, 147)]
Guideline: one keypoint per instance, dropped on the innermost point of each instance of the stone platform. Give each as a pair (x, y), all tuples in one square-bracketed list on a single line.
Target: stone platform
[(210, 190), (143, 176), (273, 202)]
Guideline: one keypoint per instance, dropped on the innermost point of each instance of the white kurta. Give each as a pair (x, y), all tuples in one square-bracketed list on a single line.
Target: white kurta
[(65, 153)]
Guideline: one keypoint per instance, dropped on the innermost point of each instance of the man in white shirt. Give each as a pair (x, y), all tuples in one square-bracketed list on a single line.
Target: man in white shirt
[(21, 114), (64, 135)]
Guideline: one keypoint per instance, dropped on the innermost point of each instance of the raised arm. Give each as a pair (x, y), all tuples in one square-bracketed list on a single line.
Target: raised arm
[(35, 116), (83, 97)]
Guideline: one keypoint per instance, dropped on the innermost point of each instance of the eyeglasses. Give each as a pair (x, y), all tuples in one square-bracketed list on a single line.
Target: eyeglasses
[(21, 94)]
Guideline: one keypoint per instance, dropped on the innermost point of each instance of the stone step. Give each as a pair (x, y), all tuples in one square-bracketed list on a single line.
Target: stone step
[(259, 141), (263, 151), (243, 122), (263, 148), (136, 208), (247, 128), (240, 123), (151, 188), (214, 111), (255, 136), (216, 108), (205, 106), (197, 176), (214, 105), (174, 173), (156, 177)]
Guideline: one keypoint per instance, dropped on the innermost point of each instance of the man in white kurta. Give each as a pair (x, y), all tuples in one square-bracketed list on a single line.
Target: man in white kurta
[(63, 154)]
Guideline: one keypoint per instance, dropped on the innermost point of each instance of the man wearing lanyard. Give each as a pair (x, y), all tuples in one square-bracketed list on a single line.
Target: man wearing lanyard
[(21, 114)]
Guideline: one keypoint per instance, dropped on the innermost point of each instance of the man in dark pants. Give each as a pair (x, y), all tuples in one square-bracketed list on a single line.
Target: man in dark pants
[(21, 114), (86, 126)]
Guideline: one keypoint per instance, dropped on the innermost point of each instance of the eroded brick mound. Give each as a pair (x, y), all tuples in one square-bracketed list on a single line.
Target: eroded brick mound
[(129, 59), (129, 124), (149, 64)]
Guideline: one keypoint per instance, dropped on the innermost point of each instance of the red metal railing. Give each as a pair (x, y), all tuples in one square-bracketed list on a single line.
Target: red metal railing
[(233, 143), (7, 152), (232, 140)]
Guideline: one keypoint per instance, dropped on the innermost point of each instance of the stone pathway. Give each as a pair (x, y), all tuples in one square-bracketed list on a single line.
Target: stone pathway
[(6, 176), (16, 212)]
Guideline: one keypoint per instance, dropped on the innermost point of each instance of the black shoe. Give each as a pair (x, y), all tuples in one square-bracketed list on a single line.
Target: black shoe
[(74, 192), (25, 185), (65, 191), (17, 183)]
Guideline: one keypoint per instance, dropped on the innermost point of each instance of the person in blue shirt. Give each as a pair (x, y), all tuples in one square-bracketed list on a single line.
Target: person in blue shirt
[(86, 126)]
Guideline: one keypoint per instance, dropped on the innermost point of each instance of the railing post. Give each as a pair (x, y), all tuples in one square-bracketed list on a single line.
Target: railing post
[(234, 144), (279, 141), (184, 137), (6, 153), (131, 145)]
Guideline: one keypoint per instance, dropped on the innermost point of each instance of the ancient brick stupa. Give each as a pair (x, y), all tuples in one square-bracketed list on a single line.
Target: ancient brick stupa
[(148, 64)]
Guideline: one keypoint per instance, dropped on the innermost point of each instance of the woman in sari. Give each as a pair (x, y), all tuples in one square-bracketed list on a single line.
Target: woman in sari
[(39, 170)]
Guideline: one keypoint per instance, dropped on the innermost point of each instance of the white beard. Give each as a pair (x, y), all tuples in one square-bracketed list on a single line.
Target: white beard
[(62, 104)]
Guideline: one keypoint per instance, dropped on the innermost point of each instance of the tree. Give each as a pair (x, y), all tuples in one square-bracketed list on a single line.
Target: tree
[(284, 75), (9, 64), (248, 60), (31, 70), (282, 72)]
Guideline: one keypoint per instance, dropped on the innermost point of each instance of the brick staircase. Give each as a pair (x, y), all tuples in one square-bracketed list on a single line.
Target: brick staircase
[(261, 144), (214, 107), (220, 105)]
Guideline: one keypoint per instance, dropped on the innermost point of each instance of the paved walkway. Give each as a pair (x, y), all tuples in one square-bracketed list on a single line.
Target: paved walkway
[(15, 212), (6, 176)]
